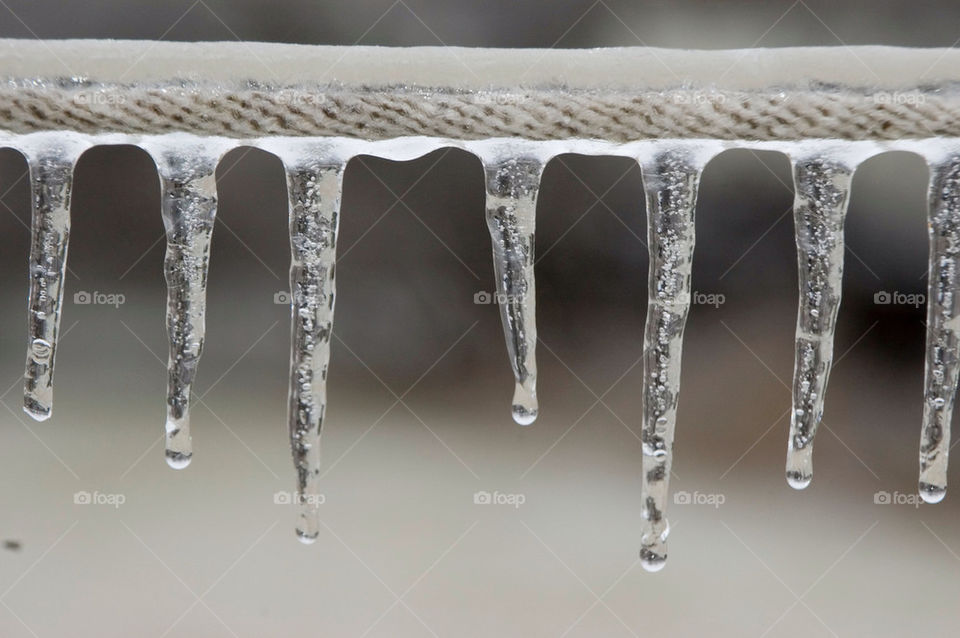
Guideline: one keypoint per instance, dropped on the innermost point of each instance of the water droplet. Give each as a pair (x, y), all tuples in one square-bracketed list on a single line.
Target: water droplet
[(798, 480), (524, 405), (932, 493)]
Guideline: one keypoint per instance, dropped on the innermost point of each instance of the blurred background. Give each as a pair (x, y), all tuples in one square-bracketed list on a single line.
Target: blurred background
[(418, 420)]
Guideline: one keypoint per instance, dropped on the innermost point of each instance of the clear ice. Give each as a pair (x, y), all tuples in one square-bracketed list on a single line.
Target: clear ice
[(822, 173), (314, 182), (822, 191), (51, 164), (943, 327), (512, 186), (188, 192), (671, 179)]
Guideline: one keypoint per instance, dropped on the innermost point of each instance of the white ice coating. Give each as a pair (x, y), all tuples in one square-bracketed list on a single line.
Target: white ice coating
[(51, 159), (512, 184), (188, 205), (671, 172), (459, 68)]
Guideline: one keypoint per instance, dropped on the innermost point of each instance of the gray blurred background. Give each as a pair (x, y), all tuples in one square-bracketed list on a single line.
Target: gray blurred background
[(404, 550)]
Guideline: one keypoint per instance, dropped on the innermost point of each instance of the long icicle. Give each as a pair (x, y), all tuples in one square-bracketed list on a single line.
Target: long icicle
[(671, 180), (314, 184), (822, 191), (51, 165), (943, 327), (188, 193), (512, 187)]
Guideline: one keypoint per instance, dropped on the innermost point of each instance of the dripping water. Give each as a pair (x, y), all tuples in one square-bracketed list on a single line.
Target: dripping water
[(670, 180), (51, 164), (188, 193), (822, 191), (512, 186), (943, 327)]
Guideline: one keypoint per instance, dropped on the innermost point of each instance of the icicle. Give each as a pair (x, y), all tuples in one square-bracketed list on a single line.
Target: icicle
[(188, 192), (512, 187), (51, 163), (314, 182), (943, 327), (822, 189), (671, 180)]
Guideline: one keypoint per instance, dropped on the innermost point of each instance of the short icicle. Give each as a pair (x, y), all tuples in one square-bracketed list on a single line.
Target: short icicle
[(512, 186), (671, 178), (822, 191), (188, 190), (51, 160), (943, 326), (314, 183)]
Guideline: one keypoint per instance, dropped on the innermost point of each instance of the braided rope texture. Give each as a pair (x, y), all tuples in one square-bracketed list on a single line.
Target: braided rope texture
[(536, 114)]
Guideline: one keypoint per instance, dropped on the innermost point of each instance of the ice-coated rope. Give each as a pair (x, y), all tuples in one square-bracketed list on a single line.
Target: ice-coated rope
[(531, 114)]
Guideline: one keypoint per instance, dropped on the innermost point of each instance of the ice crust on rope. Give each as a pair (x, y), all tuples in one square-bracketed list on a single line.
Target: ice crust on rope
[(512, 169)]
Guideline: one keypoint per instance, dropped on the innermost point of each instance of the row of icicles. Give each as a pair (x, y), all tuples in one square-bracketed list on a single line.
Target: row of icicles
[(671, 175)]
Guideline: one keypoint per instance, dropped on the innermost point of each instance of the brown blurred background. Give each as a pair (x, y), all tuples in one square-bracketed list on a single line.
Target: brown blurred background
[(405, 551)]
